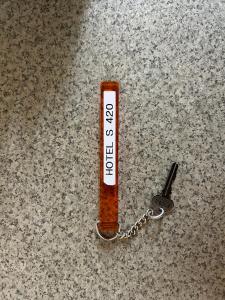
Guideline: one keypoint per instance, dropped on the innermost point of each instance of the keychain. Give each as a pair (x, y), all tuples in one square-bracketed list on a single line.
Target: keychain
[(108, 227)]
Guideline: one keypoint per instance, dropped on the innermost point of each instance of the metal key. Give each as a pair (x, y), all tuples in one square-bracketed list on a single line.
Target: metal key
[(163, 200)]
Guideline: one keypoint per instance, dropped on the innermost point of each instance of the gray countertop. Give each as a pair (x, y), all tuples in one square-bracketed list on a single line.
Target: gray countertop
[(169, 57)]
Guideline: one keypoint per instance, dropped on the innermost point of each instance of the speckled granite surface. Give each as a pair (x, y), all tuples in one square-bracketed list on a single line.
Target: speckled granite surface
[(170, 59)]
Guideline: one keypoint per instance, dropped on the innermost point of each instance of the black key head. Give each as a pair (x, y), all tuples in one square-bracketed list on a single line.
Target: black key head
[(160, 201)]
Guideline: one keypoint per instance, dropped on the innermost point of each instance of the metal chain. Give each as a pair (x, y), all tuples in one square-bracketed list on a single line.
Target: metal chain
[(148, 215)]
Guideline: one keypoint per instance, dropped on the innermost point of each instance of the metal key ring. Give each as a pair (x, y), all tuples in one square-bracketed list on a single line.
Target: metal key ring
[(159, 216), (104, 238)]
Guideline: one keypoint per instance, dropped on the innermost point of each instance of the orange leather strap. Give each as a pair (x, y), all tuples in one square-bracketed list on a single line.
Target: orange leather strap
[(109, 131)]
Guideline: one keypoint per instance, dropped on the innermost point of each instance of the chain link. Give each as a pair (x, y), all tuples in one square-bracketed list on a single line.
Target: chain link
[(149, 214)]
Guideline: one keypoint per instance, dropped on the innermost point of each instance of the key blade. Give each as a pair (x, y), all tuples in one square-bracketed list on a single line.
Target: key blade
[(170, 179)]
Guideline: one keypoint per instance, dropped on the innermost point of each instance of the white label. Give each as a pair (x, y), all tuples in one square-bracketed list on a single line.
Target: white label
[(109, 138)]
